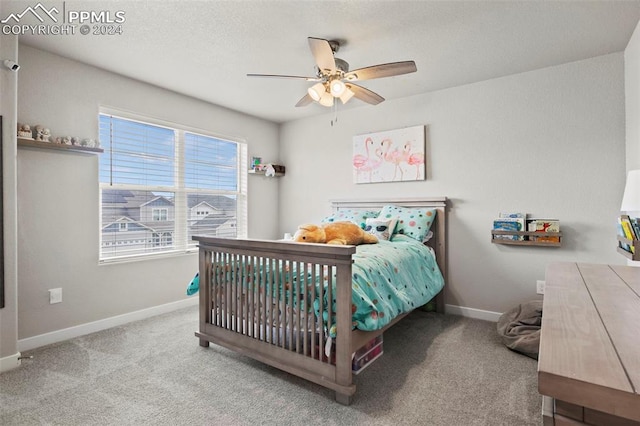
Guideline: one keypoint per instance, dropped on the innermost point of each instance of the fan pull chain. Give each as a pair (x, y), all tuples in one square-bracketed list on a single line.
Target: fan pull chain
[(335, 113)]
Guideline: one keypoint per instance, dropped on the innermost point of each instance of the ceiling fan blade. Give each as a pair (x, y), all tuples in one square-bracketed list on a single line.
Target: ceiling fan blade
[(284, 76), (322, 53), (364, 94), (306, 100), (382, 70)]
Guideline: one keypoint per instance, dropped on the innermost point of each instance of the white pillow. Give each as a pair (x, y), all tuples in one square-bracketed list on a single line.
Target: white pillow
[(381, 228)]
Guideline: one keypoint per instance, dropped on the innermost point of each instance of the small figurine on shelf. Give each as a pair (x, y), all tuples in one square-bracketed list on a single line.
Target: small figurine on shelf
[(75, 140), (255, 162), (270, 171), (42, 133), (89, 143), (24, 131)]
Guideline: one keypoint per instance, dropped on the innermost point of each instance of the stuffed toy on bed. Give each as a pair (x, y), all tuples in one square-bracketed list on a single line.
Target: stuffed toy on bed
[(345, 233)]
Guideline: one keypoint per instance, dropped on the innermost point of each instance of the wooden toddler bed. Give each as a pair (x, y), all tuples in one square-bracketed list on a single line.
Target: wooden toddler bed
[(272, 300)]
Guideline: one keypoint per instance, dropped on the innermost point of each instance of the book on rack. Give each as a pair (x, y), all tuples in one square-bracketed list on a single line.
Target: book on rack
[(622, 244), (629, 232), (635, 224), (516, 215), (544, 225), (509, 224)]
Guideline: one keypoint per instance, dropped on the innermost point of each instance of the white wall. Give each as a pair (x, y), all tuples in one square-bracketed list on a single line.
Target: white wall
[(632, 99), (549, 143), (632, 106), (58, 194), (9, 314)]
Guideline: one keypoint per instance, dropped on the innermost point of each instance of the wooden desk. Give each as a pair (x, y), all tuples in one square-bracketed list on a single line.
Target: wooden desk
[(589, 359)]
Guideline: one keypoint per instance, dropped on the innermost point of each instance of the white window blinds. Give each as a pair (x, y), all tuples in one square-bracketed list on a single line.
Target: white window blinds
[(160, 185)]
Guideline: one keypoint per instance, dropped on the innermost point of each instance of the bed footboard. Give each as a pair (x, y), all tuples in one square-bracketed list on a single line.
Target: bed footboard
[(262, 299)]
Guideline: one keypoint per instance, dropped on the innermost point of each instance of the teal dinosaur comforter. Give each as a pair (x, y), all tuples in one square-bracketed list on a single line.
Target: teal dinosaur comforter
[(389, 278)]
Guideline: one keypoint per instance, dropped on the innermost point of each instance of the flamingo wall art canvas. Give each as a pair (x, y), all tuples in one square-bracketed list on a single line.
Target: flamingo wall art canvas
[(389, 156)]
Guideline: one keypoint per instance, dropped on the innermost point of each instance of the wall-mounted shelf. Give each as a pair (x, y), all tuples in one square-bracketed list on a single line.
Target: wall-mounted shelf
[(636, 247), (262, 172), (56, 146), (541, 238), (279, 171)]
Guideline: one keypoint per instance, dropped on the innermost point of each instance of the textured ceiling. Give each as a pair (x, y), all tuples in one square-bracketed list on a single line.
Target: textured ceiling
[(205, 49)]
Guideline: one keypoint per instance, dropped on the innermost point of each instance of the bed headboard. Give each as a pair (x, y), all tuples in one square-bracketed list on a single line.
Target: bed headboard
[(439, 228)]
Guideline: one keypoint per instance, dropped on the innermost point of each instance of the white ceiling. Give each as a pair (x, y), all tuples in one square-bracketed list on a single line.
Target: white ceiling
[(205, 49)]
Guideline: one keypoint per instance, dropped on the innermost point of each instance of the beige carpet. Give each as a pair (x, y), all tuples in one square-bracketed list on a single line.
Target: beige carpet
[(436, 370)]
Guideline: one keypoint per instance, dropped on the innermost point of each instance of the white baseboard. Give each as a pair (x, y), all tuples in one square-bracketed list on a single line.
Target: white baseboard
[(472, 313), (9, 362), (91, 327)]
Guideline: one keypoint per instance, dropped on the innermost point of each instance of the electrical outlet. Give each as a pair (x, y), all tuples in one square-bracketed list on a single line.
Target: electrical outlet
[(55, 295), (540, 287)]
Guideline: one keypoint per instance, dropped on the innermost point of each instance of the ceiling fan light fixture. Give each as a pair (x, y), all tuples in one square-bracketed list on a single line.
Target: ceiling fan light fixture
[(316, 91), (326, 99), (333, 80), (348, 94), (337, 87)]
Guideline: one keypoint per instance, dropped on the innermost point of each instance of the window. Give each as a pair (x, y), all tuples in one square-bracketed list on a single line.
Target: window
[(164, 184), (162, 239), (160, 214)]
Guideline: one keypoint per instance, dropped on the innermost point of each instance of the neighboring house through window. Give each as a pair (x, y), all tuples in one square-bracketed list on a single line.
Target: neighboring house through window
[(160, 214), (163, 184)]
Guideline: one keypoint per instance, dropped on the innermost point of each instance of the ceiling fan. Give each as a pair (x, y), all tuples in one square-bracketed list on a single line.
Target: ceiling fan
[(334, 80)]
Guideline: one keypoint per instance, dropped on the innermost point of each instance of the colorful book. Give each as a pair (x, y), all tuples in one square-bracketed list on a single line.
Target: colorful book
[(622, 244), (635, 224), (627, 228), (629, 232), (509, 224), (512, 215), (544, 225)]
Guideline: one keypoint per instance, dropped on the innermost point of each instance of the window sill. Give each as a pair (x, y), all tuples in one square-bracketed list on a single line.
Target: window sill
[(148, 256)]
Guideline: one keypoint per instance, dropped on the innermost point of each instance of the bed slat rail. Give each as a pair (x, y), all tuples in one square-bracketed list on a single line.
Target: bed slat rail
[(260, 298)]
